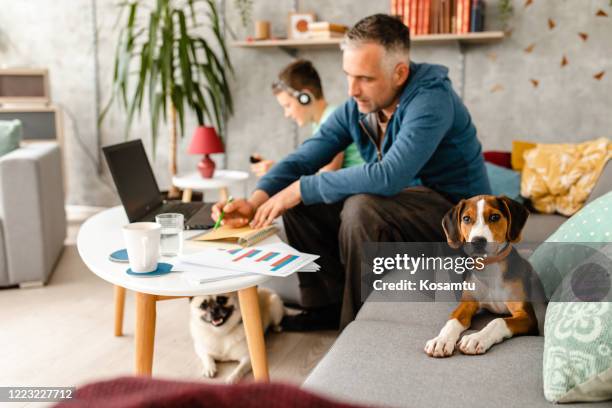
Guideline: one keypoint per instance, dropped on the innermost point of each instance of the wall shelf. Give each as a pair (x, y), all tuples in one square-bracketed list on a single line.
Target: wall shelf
[(467, 38), (292, 46)]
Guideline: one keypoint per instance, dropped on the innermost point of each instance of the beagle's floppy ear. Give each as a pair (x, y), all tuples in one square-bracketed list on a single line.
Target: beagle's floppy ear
[(517, 214), (451, 224)]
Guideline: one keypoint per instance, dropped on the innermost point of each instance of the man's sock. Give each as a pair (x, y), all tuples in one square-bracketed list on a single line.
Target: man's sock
[(322, 318)]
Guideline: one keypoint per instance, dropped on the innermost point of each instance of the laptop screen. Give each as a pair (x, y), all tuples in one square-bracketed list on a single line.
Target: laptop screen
[(133, 178)]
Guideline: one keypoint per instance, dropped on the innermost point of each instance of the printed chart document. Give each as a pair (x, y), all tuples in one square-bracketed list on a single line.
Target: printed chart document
[(197, 275), (274, 259)]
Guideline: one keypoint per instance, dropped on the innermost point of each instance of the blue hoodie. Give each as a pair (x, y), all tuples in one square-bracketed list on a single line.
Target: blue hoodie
[(430, 137)]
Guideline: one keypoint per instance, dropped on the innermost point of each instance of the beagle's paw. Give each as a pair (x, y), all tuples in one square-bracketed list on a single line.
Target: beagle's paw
[(475, 343), (441, 346)]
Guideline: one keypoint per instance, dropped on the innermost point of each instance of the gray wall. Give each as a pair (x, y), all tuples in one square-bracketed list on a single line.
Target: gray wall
[(567, 105)]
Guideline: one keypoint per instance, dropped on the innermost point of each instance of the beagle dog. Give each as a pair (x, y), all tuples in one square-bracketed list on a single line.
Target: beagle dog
[(486, 227)]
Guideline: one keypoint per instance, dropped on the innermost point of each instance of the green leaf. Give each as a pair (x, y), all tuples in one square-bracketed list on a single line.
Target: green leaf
[(157, 105), (184, 54), (177, 101), (202, 106)]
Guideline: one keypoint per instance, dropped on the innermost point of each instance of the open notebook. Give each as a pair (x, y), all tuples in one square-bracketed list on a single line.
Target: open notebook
[(245, 236)]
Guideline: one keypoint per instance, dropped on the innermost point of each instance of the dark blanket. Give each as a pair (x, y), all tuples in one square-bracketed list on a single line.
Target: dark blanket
[(132, 392)]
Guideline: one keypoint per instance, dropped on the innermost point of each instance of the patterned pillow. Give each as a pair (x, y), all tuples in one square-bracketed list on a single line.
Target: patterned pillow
[(581, 236), (578, 334), (574, 265), (10, 136)]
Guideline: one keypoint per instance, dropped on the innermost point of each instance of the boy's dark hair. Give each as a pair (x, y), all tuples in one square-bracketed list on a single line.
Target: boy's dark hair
[(300, 75), (383, 29)]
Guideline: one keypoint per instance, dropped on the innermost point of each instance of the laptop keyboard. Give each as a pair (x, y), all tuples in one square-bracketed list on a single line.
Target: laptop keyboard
[(182, 208), (187, 209)]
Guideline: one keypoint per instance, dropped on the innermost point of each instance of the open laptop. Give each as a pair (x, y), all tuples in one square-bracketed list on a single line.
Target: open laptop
[(139, 192)]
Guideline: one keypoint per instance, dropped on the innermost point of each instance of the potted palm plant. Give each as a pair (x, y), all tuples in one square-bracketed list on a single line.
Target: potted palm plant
[(173, 53)]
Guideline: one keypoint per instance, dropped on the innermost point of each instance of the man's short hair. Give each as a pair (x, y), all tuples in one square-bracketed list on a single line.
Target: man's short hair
[(382, 29), (299, 75)]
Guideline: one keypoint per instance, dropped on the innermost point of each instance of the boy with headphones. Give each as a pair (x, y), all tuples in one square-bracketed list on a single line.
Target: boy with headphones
[(298, 91)]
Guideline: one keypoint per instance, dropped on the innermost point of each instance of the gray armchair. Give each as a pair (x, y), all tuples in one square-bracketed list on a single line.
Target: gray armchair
[(32, 213)]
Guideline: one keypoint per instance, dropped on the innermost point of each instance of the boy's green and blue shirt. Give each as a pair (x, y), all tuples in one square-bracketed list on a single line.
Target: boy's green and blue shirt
[(352, 157)]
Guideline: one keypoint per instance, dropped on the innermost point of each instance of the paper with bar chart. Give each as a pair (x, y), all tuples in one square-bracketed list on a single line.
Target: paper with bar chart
[(276, 259)]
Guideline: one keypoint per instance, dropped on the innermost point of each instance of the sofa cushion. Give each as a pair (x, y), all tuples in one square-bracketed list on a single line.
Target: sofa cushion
[(383, 363), (603, 185), (578, 344), (578, 352), (424, 309), (498, 158), (541, 226), (519, 148), (10, 136), (422, 314), (579, 237), (504, 181)]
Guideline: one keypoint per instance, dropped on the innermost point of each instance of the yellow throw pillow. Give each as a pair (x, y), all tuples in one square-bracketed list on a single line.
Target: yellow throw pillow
[(519, 147)]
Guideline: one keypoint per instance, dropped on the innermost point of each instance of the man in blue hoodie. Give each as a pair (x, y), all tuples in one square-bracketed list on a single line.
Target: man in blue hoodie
[(421, 156)]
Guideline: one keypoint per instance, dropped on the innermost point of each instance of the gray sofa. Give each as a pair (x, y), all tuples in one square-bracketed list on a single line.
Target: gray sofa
[(379, 360), (32, 213)]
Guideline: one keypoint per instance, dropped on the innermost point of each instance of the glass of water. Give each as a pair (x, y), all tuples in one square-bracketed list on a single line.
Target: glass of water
[(172, 226)]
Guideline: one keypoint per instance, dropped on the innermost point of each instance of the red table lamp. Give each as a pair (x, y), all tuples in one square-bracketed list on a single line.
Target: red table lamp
[(205, 141)]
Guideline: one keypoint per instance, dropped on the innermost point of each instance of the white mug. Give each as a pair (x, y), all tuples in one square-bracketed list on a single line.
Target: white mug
[(142, 243)]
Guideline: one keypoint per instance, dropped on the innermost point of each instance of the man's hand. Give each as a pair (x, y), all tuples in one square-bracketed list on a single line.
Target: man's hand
[(277, 205), (260, 168), (238, 213)]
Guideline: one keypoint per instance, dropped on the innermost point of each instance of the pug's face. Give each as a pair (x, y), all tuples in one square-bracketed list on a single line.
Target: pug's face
[(215, 310)]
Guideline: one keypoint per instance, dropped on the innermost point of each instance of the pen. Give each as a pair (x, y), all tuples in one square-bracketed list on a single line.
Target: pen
[(218, 223)]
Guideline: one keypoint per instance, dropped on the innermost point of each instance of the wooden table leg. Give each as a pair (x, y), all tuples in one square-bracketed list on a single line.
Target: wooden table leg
[(187, 195), (145, 333), (249, 306), (119, 308)]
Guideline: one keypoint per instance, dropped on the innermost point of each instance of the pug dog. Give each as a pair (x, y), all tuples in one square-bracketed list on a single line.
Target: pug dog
[(218, 333)]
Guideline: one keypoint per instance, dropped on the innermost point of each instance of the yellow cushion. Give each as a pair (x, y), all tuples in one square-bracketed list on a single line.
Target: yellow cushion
[(518, 148)]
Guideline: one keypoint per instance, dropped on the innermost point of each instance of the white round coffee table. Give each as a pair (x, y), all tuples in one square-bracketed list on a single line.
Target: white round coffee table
[(101, 235), (221, 180)]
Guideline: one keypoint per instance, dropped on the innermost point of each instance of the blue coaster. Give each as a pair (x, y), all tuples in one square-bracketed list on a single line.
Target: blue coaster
[(119, 256), (162, 269)]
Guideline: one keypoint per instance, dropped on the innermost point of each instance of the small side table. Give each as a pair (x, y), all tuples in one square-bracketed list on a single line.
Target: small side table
[(221, 180)]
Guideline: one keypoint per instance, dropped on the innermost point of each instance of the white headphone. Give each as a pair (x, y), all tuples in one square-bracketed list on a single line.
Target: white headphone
[(303, 97)]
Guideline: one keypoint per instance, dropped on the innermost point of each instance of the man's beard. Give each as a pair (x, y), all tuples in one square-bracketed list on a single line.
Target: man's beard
[(377, 107)]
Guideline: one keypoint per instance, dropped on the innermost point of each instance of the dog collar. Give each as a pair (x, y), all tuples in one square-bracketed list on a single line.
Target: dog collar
[(487, 260)]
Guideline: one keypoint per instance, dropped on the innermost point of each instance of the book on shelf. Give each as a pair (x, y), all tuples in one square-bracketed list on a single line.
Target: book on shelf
[(326, 30), (327, 26), (477, 17), (406, 13), (440, 16), (323, 35), (426, 17), (414, 14), (420, 16)]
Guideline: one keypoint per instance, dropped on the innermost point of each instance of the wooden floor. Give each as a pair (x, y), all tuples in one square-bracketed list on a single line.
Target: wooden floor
[(62, 335)]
